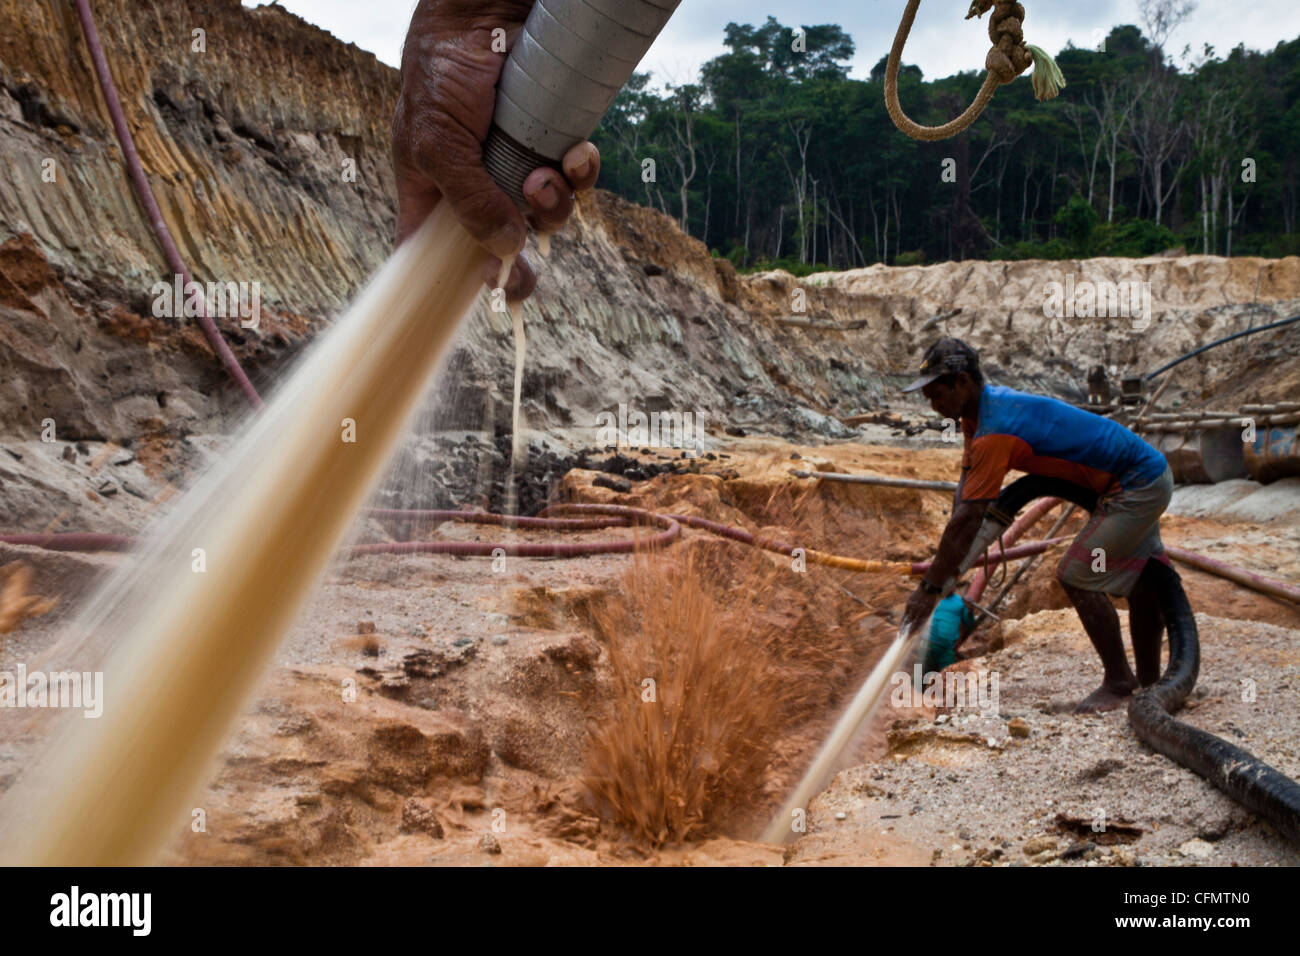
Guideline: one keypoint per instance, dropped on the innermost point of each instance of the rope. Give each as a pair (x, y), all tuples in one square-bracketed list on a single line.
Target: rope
[(1008, 57)]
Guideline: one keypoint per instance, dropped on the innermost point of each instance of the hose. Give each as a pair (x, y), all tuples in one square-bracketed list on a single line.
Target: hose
[(613, 516), (980, 579), (1227, 338), (144, 193), (1250, 579), (1265, 791)]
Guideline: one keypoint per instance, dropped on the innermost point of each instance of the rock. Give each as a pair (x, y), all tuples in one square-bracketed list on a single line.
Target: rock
[(293, 726), (418, 816), (365, 627), (1100, 769), (403, 758), (621, 485), (500, 640), (1018, 727), (1077, 849), (1039, 844), (1196, 849), (578, 653)]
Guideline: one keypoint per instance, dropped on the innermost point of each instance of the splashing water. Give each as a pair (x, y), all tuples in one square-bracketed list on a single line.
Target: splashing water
[(855, 716)]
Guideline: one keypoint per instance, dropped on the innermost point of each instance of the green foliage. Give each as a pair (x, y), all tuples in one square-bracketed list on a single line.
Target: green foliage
[(1054, 249), (1078, 220), (1134, 237), (777, 156)]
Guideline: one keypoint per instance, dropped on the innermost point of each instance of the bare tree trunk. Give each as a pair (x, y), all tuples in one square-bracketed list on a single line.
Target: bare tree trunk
[(749, 217), (1205, 218)]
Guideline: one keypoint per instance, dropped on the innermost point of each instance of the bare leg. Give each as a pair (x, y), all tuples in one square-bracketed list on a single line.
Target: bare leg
[(1102, 624), (1146, 627)]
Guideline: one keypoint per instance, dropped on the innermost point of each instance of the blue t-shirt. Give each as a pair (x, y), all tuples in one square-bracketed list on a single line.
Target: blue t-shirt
[(1044, 436)]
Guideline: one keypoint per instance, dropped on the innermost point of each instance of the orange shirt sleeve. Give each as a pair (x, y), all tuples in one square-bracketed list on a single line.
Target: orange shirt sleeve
[(986, 459)]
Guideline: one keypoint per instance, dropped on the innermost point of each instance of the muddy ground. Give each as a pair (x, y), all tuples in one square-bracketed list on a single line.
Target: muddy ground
[(435, 710)]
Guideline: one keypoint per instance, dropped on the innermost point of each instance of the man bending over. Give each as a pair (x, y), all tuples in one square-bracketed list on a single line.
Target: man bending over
[(1008, 430)]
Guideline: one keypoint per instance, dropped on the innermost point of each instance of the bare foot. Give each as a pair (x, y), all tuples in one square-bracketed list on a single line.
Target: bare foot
[(1106, 697)]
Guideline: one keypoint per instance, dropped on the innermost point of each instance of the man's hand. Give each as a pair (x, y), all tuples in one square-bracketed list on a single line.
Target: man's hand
[(444, 112), (918, 608)]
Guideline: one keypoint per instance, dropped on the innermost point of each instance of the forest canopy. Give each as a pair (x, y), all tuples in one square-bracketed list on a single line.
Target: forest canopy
[(774, 155)]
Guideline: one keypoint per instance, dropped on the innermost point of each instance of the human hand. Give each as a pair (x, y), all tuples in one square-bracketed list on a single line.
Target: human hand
[(918, 608), (444, 112)]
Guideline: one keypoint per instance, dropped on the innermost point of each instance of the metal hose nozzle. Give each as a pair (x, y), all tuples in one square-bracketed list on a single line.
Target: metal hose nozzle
[(568, 64)]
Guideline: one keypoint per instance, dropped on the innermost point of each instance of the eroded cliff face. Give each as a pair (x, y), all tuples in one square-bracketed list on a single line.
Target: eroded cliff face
[(250, 146), (244, 142)]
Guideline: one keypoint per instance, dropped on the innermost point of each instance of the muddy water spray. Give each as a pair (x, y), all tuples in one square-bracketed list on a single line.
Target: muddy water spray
[(846, 728)]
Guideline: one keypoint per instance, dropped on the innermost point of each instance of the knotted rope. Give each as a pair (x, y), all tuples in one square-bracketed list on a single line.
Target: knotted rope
[(1008, 57)]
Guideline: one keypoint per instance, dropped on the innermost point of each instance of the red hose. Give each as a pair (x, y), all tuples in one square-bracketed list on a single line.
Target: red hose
[(144, 193), (614, 515), (1018, 527), (1241, 576), (76, 541), (997, 556)]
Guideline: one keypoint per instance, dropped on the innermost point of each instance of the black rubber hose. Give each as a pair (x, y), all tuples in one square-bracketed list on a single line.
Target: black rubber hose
[(1265, 791), (1024, 490), (1217, 342)]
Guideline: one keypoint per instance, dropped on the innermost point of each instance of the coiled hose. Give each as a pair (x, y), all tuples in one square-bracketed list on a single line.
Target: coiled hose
[(1269, 794)]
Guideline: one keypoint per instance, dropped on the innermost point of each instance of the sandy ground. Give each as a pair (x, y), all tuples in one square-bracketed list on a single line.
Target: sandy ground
[(433, 710), (1022, 785)]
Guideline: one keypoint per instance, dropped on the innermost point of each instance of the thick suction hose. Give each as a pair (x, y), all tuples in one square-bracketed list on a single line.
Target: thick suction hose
[(1265, 791)]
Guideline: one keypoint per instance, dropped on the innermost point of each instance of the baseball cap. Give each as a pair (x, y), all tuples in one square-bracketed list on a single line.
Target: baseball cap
[(945, 357)]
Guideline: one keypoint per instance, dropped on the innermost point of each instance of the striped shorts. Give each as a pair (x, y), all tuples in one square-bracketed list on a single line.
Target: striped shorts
[(1112, 549)]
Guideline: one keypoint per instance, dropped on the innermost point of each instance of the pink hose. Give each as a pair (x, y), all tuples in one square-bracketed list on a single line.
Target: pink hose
[(144, 193), (76, 541), (1241, 576), (1011, 554), (1018, 527)]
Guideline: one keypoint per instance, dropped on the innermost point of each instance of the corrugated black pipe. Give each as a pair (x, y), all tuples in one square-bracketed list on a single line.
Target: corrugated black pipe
[(1265, 791), (1217, 342)]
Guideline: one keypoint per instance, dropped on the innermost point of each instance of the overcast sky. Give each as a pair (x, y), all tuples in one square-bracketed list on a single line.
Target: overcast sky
[(942, 42)]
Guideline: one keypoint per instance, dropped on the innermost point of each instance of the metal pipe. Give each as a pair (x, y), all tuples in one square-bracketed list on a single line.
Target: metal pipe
[(569, 62), (884, 480)]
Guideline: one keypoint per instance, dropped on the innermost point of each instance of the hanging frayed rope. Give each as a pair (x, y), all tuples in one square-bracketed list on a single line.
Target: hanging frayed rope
[(1008, 57)]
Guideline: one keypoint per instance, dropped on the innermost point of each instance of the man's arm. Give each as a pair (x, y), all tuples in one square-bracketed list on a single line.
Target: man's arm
[(953, 546), (450, 70), (956, 541)]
